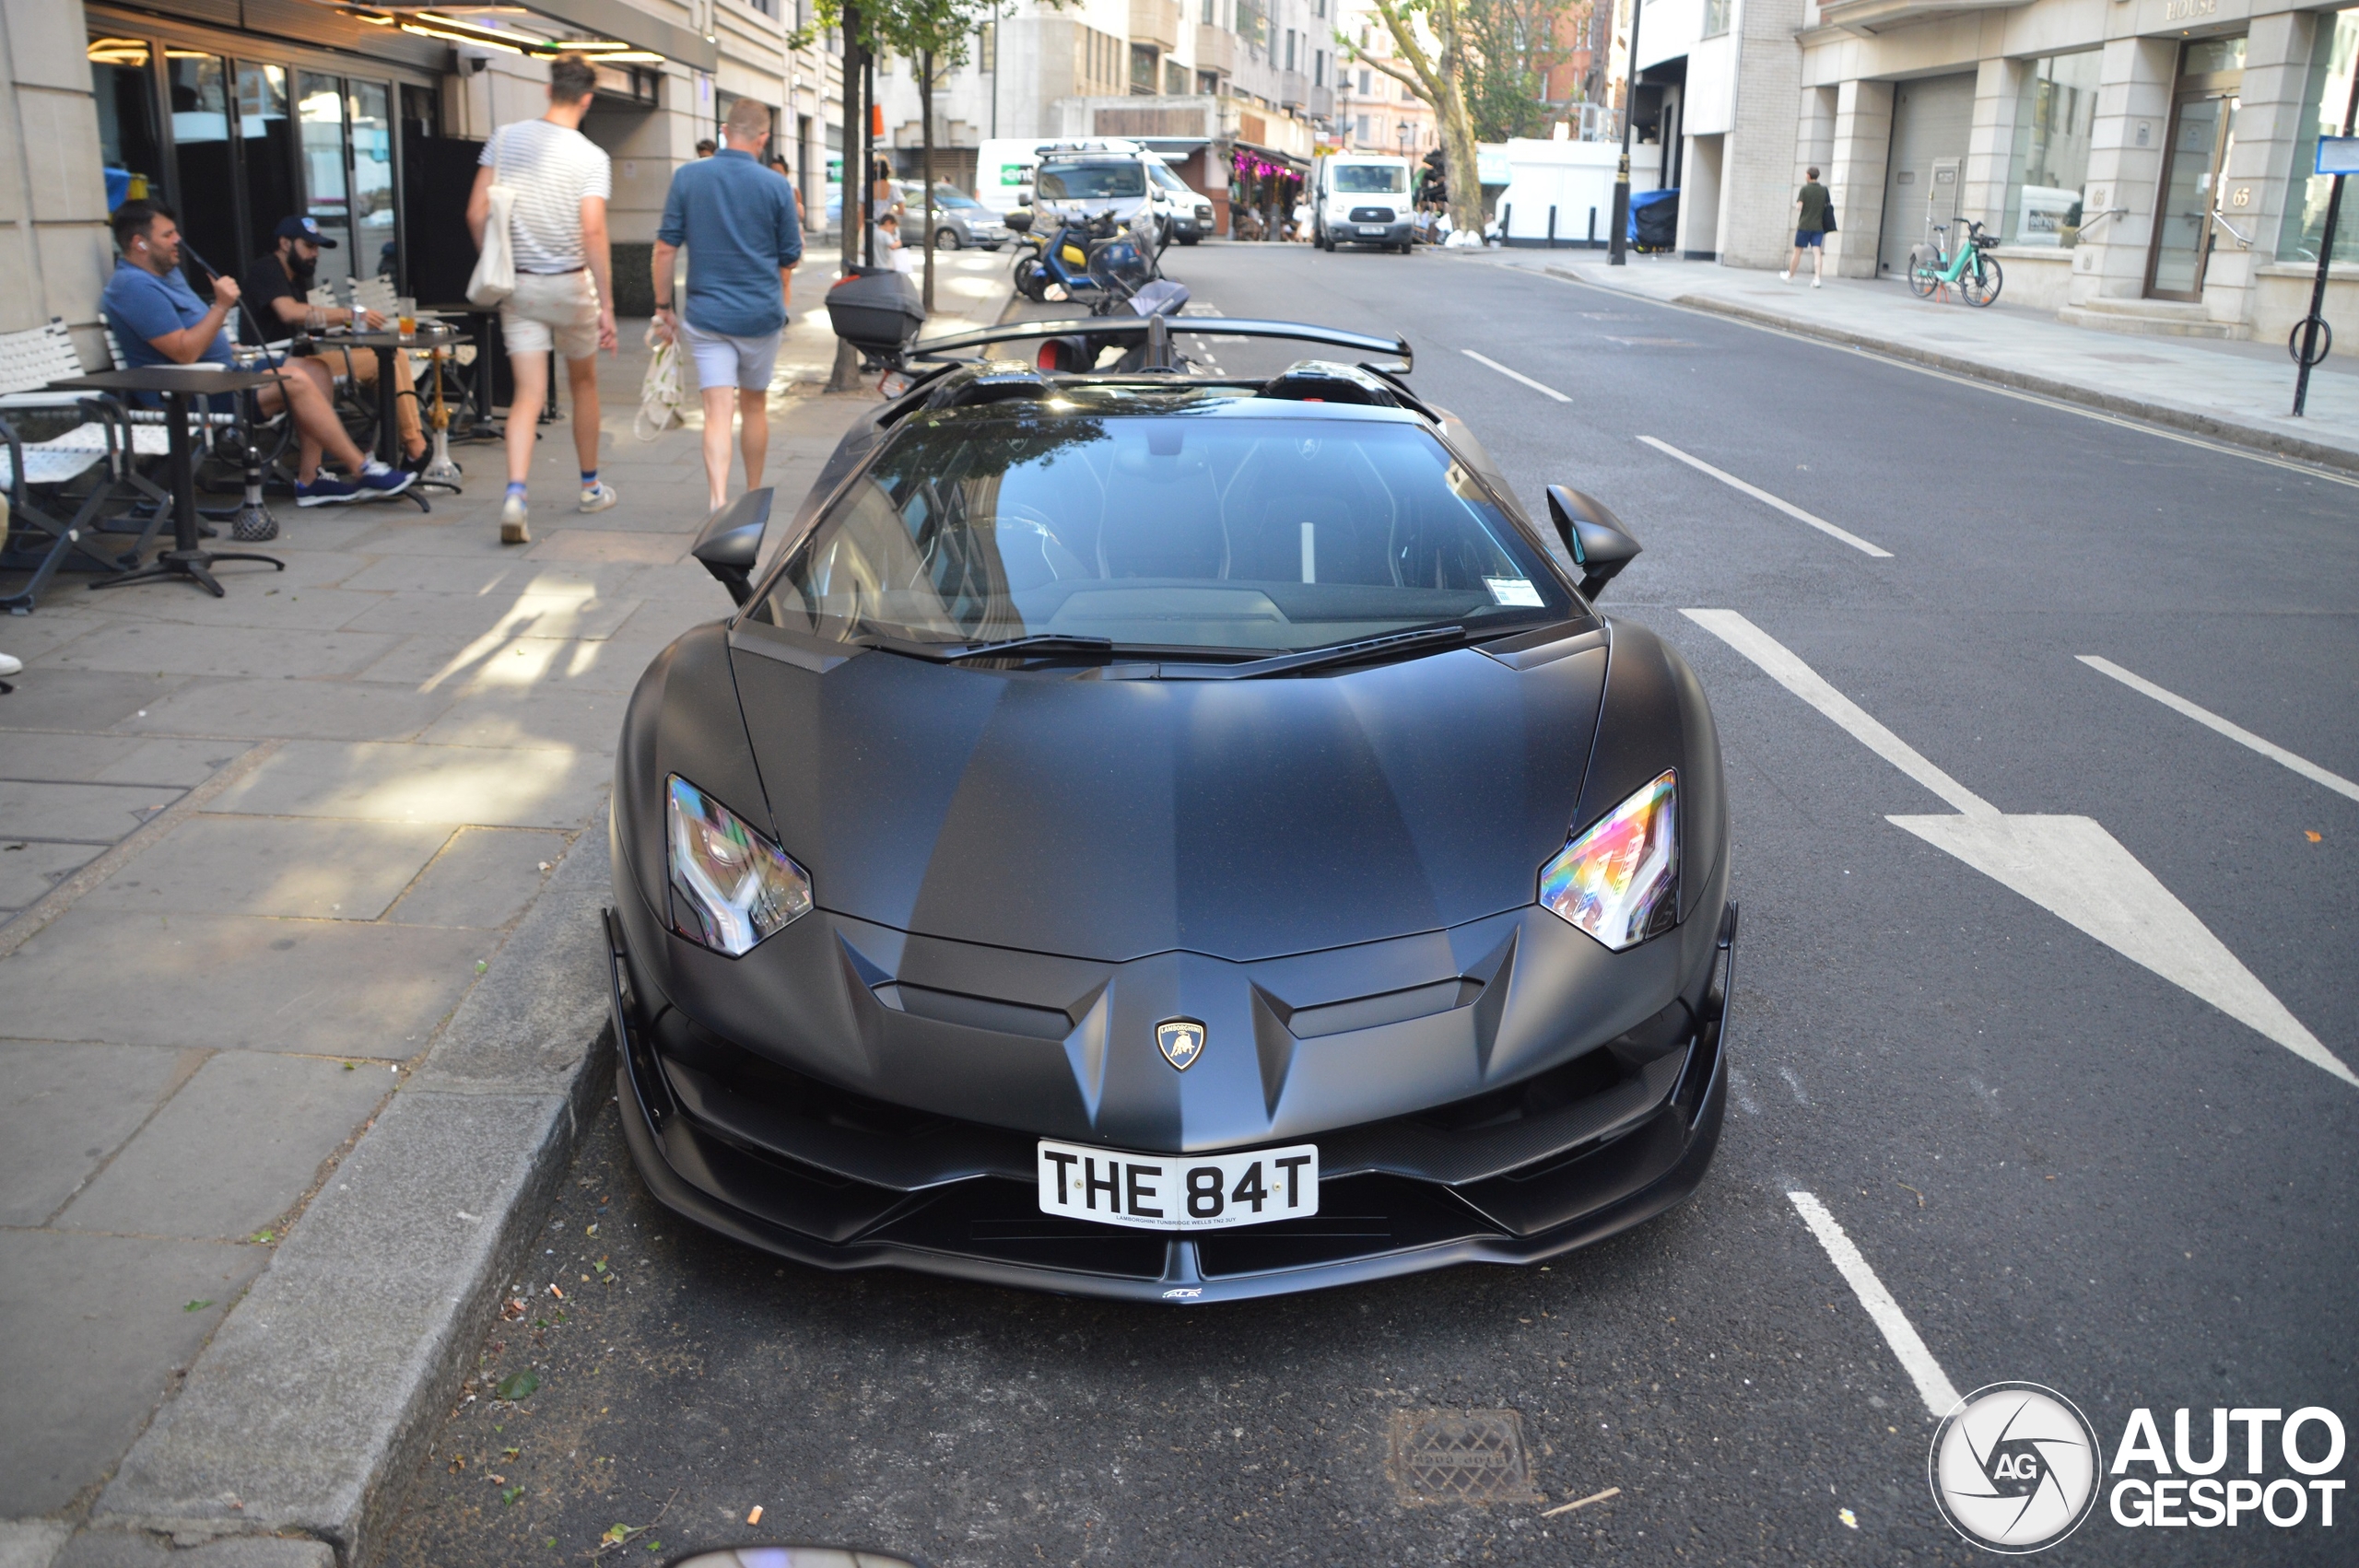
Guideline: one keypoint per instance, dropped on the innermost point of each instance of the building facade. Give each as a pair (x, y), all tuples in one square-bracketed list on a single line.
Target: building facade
[(1375, 113), (367, 119), (2144, 163)]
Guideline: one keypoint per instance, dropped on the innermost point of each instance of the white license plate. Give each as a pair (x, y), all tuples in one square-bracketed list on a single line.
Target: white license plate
[(1372, 228), (1179, 1192)]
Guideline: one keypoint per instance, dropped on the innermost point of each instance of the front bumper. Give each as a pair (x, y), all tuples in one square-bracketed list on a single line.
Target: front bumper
[(831, 1178), (1349, 233)]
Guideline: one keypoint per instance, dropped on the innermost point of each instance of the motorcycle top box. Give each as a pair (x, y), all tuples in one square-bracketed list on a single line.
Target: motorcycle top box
[(877, 309)]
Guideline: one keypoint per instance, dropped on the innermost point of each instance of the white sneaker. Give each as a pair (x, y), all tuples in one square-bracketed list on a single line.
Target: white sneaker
[(1786, 277), (512, 529), (1815, 283), (599, 497), (11, 665)]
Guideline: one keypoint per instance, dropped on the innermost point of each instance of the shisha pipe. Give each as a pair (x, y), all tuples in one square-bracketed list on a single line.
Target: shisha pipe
[(440, 470), (251, 523)]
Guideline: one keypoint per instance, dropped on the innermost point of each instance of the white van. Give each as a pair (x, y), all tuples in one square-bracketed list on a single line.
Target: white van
[(1096, 176), (1362, 199), (1003, 167)]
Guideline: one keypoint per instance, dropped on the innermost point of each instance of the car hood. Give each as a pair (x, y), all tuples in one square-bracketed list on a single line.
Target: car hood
[(1063, 812)]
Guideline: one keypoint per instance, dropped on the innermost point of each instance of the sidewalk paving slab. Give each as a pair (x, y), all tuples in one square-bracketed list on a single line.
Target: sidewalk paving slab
[(367, 829), (2235, 393)]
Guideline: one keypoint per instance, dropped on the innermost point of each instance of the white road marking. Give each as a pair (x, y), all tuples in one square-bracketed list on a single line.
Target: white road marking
[(2059, 404), (1515, 375), (2068, 865), (1933, 1385), (1808, 684), (1732, 482), (2236, 732)]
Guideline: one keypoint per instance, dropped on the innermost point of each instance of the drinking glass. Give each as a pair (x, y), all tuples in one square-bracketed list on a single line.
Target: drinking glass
[(406, 315)]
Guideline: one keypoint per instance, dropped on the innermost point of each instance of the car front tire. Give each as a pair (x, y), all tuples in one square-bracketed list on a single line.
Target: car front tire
[(947, 239)]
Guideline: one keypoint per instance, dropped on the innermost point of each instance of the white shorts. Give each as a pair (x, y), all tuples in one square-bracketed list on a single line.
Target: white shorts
[(549, 310), (725, 361)]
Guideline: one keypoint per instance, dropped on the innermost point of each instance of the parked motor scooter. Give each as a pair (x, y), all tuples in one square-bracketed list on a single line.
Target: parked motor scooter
[(1062, 269)]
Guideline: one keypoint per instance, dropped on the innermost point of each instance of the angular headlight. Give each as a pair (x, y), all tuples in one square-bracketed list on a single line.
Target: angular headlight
[(730, 887), (1619, 881)]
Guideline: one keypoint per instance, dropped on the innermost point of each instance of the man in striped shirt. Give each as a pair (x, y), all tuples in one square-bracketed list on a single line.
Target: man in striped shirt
[(564, 299)]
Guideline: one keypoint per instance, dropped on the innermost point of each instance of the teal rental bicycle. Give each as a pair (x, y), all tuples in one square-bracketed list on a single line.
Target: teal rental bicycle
[(1972, 272)]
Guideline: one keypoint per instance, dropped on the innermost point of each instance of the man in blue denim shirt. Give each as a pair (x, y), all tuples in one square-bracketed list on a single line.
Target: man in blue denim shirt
[(737, 221), (159, 319)]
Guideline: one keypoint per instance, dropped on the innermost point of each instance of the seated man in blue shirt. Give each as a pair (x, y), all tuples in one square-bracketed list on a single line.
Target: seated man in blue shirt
[(738, 222), (159, 319)]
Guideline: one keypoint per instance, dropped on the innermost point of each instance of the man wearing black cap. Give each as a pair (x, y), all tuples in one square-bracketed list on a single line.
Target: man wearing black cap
[(276, 287)]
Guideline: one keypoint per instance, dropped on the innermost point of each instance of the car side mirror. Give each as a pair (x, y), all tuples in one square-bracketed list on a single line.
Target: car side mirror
[(731, 542), (1599, 545)]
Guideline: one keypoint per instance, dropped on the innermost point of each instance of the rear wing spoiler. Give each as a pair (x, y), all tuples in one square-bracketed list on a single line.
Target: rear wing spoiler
[(1158, 332)]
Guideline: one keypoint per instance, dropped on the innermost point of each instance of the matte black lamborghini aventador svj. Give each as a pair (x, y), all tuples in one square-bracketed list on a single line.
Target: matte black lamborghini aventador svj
[(1155, 835)]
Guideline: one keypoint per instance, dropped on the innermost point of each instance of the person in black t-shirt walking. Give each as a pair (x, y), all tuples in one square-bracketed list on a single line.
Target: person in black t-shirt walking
[(1815, 219), (276, 288)]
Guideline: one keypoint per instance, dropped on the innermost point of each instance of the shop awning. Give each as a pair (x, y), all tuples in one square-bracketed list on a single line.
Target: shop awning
[(608, 31), (1286, 161)]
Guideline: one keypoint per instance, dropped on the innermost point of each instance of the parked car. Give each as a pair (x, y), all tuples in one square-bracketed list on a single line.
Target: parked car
[(959, 221), (1158, 835)]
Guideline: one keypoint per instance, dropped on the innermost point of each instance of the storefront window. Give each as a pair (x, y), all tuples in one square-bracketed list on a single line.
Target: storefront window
[(2333, 59), (269, 161), (123, 79), (372, 179), (199, 84), (319, 104), (2055, 122)]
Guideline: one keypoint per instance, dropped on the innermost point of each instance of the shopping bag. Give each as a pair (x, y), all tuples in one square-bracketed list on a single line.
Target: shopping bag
[(494, 278), (661, 398)]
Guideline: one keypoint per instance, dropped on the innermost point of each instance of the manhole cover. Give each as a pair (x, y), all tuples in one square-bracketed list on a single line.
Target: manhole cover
[(1461, 1456)]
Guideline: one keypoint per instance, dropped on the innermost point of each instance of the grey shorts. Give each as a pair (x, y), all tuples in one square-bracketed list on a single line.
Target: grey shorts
[(725, 361)]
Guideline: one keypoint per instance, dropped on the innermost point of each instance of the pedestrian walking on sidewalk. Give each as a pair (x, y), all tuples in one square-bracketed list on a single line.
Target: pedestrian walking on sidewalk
[(564, 299), (737, 221), (1815, 220)]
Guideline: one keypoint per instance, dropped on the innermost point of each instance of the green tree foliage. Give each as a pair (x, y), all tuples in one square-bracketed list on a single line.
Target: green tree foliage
[(1514, 45)]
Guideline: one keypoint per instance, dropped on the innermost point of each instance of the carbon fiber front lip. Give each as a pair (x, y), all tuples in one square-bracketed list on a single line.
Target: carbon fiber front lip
[(1692, 1118)]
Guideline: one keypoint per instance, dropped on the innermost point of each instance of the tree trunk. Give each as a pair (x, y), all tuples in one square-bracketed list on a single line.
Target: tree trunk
[(845, 375), (925, 164), (1456, 125)]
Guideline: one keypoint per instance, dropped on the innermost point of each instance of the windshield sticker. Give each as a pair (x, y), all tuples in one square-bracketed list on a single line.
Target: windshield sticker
[(1515, 590)]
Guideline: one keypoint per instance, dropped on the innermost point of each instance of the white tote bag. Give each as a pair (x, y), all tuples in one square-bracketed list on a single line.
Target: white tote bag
[(494, 278)]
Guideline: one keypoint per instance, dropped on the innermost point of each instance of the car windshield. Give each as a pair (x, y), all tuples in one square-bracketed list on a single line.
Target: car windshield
[(1170, 182), (1090, 181), (1207, 527), (1371, 179), (950, 196)]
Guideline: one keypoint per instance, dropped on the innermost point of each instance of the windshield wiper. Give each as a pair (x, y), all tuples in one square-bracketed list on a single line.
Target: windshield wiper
[(951, 652), (1318, 658)]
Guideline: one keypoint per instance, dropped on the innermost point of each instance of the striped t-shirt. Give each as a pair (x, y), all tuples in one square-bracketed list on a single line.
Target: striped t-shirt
[(551, 170)]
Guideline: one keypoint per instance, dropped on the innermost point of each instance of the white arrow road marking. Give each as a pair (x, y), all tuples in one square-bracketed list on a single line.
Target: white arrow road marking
[(2068, 865), (2236, 732), (1515, 375), (1933, 1385), (1765, 498)]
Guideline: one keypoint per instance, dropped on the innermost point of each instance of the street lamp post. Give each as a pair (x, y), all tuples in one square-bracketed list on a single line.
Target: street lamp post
[(1617, 247)]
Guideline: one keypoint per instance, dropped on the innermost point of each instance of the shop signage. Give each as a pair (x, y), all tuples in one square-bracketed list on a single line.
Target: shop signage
[(2338, 155)]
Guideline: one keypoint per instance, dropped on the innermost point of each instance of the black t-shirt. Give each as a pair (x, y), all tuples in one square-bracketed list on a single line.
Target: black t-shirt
[(266, 282)]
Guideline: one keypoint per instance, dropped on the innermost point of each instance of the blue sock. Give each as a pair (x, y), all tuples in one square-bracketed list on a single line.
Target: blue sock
[(589, 477), (515, 487)]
